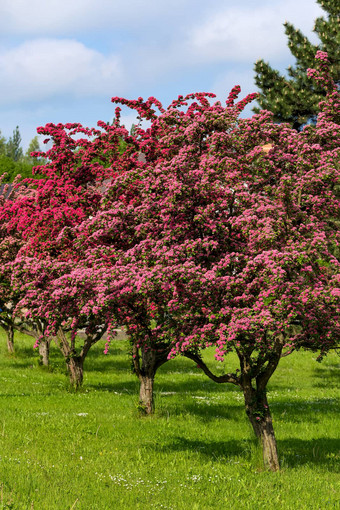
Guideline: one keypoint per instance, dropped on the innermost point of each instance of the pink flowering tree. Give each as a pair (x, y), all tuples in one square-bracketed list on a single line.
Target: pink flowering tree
[(242, 240), (60, 268), (10, 245), (70, 191), (80, 165)]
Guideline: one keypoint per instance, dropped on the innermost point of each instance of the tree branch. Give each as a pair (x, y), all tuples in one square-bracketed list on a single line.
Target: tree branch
[(225, 378)]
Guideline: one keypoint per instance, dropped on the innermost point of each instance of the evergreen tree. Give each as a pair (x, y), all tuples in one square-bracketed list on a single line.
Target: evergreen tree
[(294, 98), (13, 148)]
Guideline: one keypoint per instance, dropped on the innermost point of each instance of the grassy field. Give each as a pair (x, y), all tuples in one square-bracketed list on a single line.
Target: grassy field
[(91, 450)]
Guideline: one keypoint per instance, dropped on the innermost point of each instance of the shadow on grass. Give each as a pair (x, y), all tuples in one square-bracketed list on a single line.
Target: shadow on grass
[(192, 385), (293, 452), (311, 410), (320, 452), (108, 364), (327, 376), (218, 450), (119, 359)]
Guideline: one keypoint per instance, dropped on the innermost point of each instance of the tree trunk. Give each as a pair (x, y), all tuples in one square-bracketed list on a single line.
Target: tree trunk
[(44, 351), (10, 338), (146, 399), (258, 412), (76, 371), (146, 377)]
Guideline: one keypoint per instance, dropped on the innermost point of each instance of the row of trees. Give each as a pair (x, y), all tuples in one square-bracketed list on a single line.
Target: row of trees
[(13, 161), (207, 230)]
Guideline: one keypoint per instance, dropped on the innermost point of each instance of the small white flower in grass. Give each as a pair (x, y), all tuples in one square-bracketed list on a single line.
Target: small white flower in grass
[(82, 414)]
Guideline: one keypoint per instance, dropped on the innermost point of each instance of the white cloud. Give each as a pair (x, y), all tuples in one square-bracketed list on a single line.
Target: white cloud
[(231, 36), (49, 17), (41, 17), (239, 34), (44, 68)]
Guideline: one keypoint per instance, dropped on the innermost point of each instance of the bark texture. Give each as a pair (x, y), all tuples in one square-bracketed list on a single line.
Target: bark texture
[(146, 378), (146, 399), (75, 359), (258, 412), (75, 367)]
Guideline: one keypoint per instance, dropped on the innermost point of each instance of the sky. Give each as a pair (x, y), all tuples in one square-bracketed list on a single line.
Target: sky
[(63, 60)]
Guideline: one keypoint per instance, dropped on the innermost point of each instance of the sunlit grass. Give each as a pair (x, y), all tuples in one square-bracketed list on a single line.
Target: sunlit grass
[(92, 450)]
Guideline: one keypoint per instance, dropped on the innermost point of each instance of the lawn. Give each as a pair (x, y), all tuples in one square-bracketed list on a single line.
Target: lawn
[(91, 450)]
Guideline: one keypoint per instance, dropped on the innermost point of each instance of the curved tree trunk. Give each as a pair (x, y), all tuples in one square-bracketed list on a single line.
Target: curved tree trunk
[(258, 412), (44, 351), (10, 338), (75, 367)]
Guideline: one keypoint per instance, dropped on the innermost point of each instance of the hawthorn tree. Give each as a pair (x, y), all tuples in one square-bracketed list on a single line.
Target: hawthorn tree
[(8, 249), (11, 242), (75, 172), (64, 197), (60, 249), (247, 250)]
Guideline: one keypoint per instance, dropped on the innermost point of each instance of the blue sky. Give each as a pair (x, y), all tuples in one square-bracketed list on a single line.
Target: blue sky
[(63, 60)]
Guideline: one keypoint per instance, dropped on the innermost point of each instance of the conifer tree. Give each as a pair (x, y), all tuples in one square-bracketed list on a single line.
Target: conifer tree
[(294, 98), (14, 150)]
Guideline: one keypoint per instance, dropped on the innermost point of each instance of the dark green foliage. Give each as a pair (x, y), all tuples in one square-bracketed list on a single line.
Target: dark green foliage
[(294, 98)]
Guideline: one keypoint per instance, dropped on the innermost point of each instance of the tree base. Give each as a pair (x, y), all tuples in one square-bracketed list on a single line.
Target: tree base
[(76, 372)]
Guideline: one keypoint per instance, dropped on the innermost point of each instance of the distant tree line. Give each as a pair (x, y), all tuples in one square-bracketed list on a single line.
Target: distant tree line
[(13, 160)]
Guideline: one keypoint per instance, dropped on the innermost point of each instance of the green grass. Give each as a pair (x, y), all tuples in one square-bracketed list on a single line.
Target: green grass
[(91, 450)]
